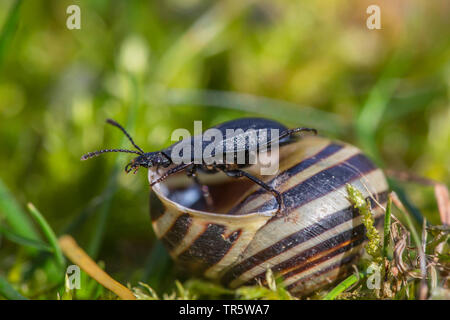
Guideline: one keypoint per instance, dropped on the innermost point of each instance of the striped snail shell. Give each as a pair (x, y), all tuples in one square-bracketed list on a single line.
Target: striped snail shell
[(314, 246)]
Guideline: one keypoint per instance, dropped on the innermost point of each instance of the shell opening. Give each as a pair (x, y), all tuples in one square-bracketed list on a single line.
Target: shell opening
[(216, 194)]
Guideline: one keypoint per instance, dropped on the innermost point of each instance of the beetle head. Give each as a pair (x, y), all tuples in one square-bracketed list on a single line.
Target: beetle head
[(148, 160)]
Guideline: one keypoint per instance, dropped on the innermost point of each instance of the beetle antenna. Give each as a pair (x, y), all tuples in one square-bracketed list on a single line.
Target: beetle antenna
[(114, 123), (99, 152)]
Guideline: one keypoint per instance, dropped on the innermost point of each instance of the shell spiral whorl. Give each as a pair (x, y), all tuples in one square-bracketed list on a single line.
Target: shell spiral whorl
[(322, 237)]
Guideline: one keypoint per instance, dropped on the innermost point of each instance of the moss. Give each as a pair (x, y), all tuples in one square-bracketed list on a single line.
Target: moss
[(373, 246)]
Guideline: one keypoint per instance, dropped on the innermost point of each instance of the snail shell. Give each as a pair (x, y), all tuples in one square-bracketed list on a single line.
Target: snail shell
[(314, 246)]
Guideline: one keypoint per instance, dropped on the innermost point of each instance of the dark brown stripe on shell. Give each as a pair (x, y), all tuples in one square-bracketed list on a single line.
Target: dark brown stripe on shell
[(303, 235), (326, 181), (344, 263), (177, 231), (156, 207), (208, 249), (306, 259), (326, 152), (357, 238)]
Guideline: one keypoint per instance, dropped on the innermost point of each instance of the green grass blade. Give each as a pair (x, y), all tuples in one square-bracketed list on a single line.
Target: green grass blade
[(83, 216), (341, 287), (23, 241), (157, 267), (372, 114), (373, 111), (412, 229), (273, 108), (415, 212), (7, 291), (14, 216), (202, 33), (96, 240), (9, 29), (387, 227), (48, 232)]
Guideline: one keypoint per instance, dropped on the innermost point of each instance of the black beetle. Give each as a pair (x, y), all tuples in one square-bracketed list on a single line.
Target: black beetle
[(241, 146)]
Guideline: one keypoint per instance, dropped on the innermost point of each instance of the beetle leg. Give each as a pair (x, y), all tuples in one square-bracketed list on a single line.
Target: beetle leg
[(169, 173), (192, 172), (240, 173), (290, 132)]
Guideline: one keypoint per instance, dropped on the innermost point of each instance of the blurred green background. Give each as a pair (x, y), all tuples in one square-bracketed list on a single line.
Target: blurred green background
[(155, 66)]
